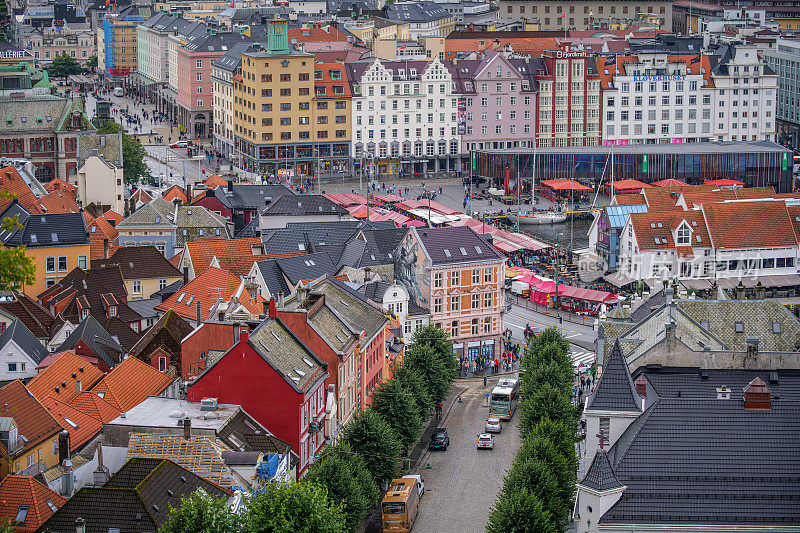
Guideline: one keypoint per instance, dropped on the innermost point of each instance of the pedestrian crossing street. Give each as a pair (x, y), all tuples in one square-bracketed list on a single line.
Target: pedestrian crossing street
[(582, 356)]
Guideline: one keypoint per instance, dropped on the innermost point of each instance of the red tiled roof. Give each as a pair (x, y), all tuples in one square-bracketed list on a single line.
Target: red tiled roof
[(660, 225), (59, 374), (57, 184), (92, 404), (215, 180), (82, 427), (630, 199), (173, 193), (329, 83), (233, 255), (608, 71), (768, 225), (12, 182), (130, 383), (211, 286), (175, 260), (100, 232), (316, 35), (57, 202), (33, 420), (25, 491), (111, 215), (142, 196)]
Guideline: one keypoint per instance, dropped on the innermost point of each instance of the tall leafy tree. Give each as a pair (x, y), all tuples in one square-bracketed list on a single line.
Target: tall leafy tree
[(436, 338), (16, 268), (398, 408), (201, 513), (133, 166), (412, 381), (92, 62), (374, 439), (538, 448), (548, 336), (62, 66), (293, 508), (344, 475), (546, 401), (547, 373), (536, 478), (520, 512), (422, 358)]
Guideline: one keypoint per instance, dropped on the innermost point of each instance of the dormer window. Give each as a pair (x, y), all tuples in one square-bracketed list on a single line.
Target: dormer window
[(112, 311), (683, 236), (84, 313)]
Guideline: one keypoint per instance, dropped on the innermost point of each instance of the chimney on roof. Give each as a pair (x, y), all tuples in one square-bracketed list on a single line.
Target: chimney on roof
[(757, 396), (63, 445), (641, 386), (105, 248), (739, 291), (244, 333), (723, 393), (752, 351), (186, 275), (77, 386), (272, 311), (188, 192), (761, 291), (230, 185), (101, 473), (280, 300), (199, 314), (187, 428)]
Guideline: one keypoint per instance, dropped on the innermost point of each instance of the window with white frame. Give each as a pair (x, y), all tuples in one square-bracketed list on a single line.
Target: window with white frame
[(683, 235)]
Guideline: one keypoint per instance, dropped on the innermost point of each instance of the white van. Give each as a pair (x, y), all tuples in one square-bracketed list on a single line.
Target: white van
[(119, 91)]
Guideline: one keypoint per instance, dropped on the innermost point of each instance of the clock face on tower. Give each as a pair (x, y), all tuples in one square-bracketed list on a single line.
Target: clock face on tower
[(278, 29)]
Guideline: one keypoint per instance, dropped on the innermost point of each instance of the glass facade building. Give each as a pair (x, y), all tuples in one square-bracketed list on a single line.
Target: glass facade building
[(756, 164)]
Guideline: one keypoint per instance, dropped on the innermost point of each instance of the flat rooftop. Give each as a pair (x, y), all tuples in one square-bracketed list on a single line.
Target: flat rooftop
[(167, 412)]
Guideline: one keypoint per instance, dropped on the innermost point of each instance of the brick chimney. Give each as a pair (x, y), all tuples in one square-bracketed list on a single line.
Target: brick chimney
[(187, 428), (273, 308), (641, 386), (199, 314), (244, 333), (757, 396)]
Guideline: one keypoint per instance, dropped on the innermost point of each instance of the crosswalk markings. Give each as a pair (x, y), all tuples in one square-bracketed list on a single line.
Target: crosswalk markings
[(582, 357)]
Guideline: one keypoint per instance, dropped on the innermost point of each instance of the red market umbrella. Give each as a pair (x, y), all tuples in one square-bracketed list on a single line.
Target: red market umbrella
[(724, 182), (671, 182)]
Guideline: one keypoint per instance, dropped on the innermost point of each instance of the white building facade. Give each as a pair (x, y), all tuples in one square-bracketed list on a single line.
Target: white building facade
[(404, 116)]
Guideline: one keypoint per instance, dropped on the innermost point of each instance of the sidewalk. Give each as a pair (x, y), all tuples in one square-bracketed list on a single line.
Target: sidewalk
[(422, 444)]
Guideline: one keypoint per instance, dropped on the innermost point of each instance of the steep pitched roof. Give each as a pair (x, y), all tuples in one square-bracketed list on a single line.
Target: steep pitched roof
[(768, 225), (130, 383), (173, 193), (139, 262), (101, 234), (23, 338), (17, 492), (12, 181), (137, 498), (350, 305), (452, 245), (213, 285), (52, 229), (100, 341), (172, 323), (305, 267), (234, 255), (200, 454), (601, 476), (82, 427), (615, 390), (57, 202), (214, 181), (33, 420), (94, 405), (59, 379), (307, 205), (35, 317)]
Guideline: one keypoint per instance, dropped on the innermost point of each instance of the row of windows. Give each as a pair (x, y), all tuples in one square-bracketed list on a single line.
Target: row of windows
[(474, 326), (456, 276), (612, 9), (63, 265), (475, 302), (406, 133)]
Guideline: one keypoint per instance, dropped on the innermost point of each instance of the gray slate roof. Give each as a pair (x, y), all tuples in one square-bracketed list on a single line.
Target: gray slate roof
[(97, 339), (601, 476), (615, 390), (306, 237), (307, 205), (350, 305), (709, 462), (688, 382), (452, 245), (52, 229), (273, 277), (305, 267), (23, 338), (255, 196), (416, 12)]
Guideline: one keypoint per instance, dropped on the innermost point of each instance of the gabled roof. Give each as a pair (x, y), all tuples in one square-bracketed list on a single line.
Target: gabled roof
[(24, 491), (173, 193), (215, 180), (600, 476), (139, 262), (35, 317), (100, 341), (453, 245), (273, 277), (137, 498), (59, 379), (307, 237), (234, 255), (305, 267), (13, 182), (102, 233), (350, 305), (158, 212), (23, 338), (52, 230), (82, 427), (199, 454), (33, 420), (57, 202), (130, 383), (92, 404), (171, 323), (306, 205), (768, 225), (615, 390), (213, 285), (253, 196)]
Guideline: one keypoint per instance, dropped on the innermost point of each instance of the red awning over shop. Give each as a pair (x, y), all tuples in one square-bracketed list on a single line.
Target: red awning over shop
[(562, 184)]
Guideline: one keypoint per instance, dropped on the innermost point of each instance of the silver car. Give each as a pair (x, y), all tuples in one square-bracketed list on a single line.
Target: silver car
[(493, 425), (485, 441)]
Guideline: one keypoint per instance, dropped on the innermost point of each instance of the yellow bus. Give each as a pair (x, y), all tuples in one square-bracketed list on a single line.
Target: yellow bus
[(400, 505)]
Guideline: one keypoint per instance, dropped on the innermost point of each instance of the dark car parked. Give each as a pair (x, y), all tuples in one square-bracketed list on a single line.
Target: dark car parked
[(440, 440)]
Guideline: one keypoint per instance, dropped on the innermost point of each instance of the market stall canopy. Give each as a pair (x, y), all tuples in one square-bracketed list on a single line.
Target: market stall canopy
[(562, 184), (724, 182), (414, 224), (630, 185), (671, 182), (388, 198), (550, 287)]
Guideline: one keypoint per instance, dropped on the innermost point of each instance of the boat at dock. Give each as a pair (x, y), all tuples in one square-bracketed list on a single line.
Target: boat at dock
[(536, 218)]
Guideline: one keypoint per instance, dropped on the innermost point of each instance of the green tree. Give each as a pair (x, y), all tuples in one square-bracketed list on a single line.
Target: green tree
[(538, 448), (293, 508), (16, 268), (546, 401), (133, 165), (547, 373), (561, 433), (344, 475), (201, 513), (62, 66), (414, 383), (549, 335), (399, 409), (519, 512), (374, 439), (436, 338), (535, 477), (91, 62), (437, 379)]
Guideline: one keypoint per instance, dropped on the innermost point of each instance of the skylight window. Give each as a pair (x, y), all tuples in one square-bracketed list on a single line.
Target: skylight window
[(309, 363), (447, 253), (463, 251), (22, 514), (478, 250), (34, 239), (776, 327), (54, 236), (71, 423), (190, 300), (738, 326), (181, 297)]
